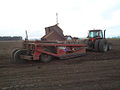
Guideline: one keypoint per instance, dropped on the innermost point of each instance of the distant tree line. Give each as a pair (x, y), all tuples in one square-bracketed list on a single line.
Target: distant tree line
[(5, 38), (116, 37)]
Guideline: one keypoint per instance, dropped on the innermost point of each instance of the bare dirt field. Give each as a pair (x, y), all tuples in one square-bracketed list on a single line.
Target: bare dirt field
[(94, 71)]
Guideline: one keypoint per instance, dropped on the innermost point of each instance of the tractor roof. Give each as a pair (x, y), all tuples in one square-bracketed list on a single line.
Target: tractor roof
[(95, 30)]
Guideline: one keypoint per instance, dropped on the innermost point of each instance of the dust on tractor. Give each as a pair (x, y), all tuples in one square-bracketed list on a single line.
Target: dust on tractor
[(97, 41)]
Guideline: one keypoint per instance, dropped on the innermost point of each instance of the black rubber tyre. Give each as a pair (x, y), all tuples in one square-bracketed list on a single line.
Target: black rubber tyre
[(45, 58), (103, 45), (17, 58), (96, 45), (109, 46), (12, 54)]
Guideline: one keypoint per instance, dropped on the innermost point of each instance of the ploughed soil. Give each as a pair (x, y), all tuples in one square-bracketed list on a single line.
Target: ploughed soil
[(94, 71)]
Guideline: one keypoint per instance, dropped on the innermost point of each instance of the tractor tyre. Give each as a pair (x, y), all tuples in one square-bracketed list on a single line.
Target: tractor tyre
[(96, 46), (17, 57), (12, 54), (103, 45), (109, 46), (45, 58)]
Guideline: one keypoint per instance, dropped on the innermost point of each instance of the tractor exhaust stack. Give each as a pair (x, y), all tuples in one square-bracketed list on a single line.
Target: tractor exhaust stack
[(104, 33)]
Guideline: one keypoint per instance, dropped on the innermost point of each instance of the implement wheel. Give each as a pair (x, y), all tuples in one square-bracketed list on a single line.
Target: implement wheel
[(103, 45), (12, 53), (45, 58), (17, 57)]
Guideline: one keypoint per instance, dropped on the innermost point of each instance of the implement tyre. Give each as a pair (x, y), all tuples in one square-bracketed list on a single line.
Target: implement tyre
[(17, 57), (12, 54), (45, 58), (103, 45)]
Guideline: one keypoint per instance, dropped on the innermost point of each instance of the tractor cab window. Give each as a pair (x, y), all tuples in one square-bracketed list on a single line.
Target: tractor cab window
[(93, 34), (101, 35)]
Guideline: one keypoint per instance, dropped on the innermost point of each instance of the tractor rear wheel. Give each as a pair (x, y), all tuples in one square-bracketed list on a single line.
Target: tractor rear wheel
[(109, 46), (12, 53), (96, 46), (103, 45), (17, 57)]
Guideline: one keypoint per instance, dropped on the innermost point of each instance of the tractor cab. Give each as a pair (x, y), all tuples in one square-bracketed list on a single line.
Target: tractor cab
[(95, 34)]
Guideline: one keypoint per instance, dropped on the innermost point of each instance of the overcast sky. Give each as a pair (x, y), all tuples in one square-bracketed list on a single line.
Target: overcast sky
[(75, 17)]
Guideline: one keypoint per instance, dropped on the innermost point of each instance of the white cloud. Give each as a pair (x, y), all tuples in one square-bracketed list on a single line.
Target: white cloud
[(75, 16)]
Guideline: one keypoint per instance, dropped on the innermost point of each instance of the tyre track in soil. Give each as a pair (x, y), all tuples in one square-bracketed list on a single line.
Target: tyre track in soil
[(99, 71), (82, 76)]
